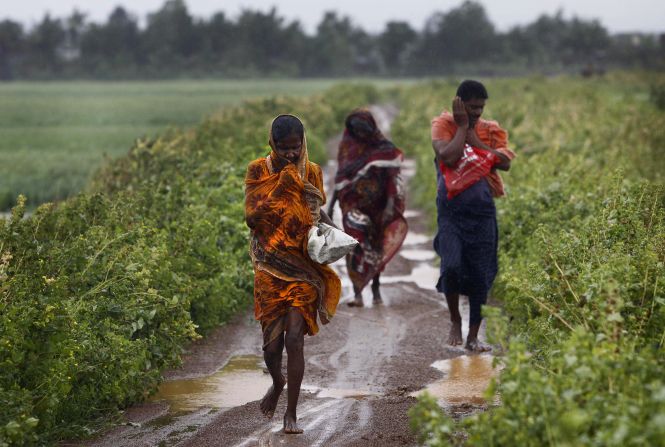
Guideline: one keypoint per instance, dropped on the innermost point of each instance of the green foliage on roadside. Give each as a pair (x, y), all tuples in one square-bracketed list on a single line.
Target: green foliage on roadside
[(100, 293), (582, 258)]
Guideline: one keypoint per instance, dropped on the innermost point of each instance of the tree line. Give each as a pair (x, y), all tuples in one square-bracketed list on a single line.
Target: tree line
[(174, 43)]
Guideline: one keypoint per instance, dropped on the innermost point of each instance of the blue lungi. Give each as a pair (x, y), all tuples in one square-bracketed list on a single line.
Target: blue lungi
[(467, 241)]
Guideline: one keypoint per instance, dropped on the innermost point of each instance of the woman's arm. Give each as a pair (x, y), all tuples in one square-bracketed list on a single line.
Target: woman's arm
[(325, 218), (331, 205)]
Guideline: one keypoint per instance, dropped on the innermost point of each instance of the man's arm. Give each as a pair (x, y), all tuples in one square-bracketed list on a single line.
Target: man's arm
[(474, 140), (449, 152)]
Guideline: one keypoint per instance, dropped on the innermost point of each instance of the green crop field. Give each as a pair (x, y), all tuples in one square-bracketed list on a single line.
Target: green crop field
[(55, 134)]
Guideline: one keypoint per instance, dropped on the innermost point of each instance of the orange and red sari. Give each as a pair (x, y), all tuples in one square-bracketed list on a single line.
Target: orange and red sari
[(280, 208)]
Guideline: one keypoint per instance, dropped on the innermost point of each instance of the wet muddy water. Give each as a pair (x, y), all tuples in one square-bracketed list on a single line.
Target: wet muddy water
[(466, 379), (242, 380), (417, 255)]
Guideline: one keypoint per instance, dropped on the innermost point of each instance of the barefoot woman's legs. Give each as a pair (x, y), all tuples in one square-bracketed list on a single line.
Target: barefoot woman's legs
[(358, 297), (455, 335), (475, 318), (294, 341), (376, 294), (272, 354)]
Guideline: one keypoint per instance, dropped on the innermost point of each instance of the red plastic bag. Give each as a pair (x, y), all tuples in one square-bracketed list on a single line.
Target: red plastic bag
[(472, 166)]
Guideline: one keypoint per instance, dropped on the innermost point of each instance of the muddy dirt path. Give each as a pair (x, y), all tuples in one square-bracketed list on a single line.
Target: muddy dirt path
[(362, 369)]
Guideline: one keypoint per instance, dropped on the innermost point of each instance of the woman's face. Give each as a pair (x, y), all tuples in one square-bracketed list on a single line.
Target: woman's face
[(289, 148), (361, 128)]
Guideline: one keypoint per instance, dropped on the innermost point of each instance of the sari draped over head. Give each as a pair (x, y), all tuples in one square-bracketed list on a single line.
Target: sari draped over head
[(371, 195), (280, 208)]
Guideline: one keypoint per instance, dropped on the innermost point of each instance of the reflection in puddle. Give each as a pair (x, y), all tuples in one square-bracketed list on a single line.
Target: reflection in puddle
[(423, 275), (467, 378), (416, 239), (338, 393), (408, 214), (241, 381), (418, 255)]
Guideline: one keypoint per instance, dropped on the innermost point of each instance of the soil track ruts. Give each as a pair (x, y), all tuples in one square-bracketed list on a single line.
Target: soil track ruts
[(360, 368)]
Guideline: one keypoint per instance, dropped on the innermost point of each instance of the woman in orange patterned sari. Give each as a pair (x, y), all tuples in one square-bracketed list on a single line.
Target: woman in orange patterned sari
[(283, 198)]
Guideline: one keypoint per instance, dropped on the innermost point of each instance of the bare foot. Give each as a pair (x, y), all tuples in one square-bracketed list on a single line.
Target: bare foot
[(269, 401), (357, 302), (455, 335), (291, 424), (377, 295), (476, 345)]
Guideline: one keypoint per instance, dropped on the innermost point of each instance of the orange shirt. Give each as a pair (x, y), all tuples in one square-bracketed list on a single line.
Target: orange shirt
[(489, 132)]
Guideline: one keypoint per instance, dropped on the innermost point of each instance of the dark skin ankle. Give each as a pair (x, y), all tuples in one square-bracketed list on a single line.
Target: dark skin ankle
[(375, 290), (269, 401), (472, 342), (294, 342), (291, 424), (273, 358), (455, 334), (358, 299)]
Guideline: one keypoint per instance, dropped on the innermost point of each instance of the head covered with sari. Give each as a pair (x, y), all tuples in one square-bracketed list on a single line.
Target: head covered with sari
[(282, 202), (370, 192)]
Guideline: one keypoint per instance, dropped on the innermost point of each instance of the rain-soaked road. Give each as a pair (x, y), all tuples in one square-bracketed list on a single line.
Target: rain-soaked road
[(362, 370)]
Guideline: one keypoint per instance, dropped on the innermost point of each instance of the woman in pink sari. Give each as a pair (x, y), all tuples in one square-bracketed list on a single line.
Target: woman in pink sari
[(369, 189)]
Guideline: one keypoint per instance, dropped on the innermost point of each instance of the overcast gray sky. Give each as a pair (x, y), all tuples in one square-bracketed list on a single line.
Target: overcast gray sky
[(616, 15)]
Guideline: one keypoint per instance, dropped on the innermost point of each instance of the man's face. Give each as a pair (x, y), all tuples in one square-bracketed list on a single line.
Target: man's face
[(474, 108)]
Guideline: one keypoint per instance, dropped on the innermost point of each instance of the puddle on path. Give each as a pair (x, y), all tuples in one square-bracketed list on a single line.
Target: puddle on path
[(418, 255), (412, 213), (416, 239), (409, 168), (467, 378), (242, 380), (423, 275), (338, 393)]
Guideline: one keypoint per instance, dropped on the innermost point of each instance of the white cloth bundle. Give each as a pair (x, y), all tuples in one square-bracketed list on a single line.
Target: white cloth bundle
[(327, 244)]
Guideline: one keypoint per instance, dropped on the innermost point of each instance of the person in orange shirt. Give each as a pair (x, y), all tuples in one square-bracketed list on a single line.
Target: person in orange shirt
[(283, 198), (467, 236)]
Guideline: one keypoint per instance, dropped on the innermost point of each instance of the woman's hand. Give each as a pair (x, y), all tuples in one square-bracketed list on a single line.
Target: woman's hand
[(280, 163)]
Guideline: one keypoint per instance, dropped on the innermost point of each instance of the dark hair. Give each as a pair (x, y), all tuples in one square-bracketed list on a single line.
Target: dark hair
[(286, 125), (470, 89), (361, 120)]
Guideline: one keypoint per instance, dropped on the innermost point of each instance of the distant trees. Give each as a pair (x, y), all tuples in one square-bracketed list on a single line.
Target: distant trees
[(396, 44), (174, 43), (113, 48), (11, 47)]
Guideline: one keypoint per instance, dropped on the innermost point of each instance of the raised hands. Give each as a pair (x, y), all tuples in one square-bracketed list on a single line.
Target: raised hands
[(459, 113), (472, 138)]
